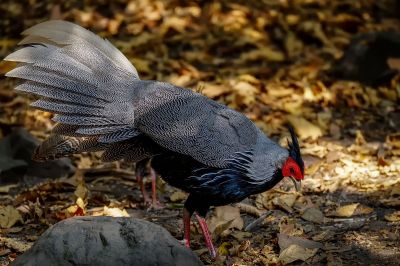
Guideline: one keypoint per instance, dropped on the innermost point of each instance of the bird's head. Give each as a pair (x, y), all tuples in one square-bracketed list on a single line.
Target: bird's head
[(293, 167)]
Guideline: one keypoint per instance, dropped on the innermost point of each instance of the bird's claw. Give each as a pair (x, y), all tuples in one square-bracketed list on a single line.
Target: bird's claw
[(154, 205)]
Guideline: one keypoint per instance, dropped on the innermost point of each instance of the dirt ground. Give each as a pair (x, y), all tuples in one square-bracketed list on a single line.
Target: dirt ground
[(278, 62)]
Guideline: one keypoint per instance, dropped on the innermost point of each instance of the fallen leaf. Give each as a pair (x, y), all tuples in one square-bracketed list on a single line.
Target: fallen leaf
[(393, 217), (393, 63), (304, 128), (178, 196), (4, 251), (245, 91), (240, 236), (264, 53), (285, 201), (224, 218), (285, 241), (223, 249), (84, 162), (290, 227), (72, 211), (352, 210), (9, 216), (295, 252), (15, 244), (115, 212), (313, 215), (213, 91), (346, 211)]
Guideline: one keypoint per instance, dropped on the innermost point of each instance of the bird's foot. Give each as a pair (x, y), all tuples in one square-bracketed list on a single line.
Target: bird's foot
[(154, 205)]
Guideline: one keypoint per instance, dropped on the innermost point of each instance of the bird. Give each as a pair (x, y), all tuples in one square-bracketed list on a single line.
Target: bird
[(214, 153)]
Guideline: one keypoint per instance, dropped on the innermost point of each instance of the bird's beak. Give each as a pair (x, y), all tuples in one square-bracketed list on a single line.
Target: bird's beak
[(297, 183)]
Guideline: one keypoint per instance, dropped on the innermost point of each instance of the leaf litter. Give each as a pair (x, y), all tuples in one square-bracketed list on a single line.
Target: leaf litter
[(271, 60)]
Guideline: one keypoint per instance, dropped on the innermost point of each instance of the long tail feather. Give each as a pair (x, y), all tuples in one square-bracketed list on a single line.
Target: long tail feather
[(84, 80)]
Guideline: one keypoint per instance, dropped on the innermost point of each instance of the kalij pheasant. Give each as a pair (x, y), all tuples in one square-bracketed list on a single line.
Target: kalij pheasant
[(214, 153)]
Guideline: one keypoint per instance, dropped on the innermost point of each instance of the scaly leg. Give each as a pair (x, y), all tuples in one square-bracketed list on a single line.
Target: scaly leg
[(155, 204), (206, 234), (146, 198), (153, 187), (140, 169), (186, 227)]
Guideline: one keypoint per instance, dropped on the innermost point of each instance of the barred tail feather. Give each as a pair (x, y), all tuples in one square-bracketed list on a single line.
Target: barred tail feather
[(82, 78)]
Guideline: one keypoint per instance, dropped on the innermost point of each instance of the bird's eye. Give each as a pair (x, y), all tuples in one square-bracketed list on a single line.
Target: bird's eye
[(291, 171)]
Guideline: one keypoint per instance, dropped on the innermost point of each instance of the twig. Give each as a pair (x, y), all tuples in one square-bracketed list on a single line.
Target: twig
[(249, 209), (257, 221)]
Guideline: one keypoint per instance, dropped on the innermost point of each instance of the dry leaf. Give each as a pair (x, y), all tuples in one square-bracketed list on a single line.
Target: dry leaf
[(285, 201), (245, 91), (295, 252), (224, 218), (115, 212), (393, 217), (346, 211), (213, 91), (290, 227), (240, 236), (393, 63), (84, 162), (9, 216), (351, 210), (264, 53), (304, 128), (178, 196), (285, 241), (313, 215), (15, 244), (223, 249)]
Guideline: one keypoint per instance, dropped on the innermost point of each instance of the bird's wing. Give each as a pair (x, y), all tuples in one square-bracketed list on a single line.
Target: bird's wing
[(189, 123)]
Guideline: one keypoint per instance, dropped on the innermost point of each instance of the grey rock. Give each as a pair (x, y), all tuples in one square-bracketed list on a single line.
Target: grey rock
[(107, 241), (15, 159)]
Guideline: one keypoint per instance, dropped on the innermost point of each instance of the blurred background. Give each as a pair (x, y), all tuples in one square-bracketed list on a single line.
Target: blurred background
[(329, 68)]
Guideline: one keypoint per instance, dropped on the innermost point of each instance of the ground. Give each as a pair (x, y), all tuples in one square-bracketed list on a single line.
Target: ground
[(275, 61)]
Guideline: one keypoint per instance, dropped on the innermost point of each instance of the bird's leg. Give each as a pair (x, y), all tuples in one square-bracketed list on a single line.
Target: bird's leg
[(155, 204), (186, 227), (153, 186), (140, 168), (139, 180), (206, 234)]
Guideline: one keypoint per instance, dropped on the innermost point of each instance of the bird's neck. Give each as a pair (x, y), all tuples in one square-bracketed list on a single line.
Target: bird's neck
[(269, 183)]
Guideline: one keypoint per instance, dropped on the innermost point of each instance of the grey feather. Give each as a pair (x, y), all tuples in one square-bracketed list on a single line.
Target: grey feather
[(119, 135), (84, 79), (64, 108), (64, 129), (101, 130), (67, 33), (41, 75), (57, 94), (81, 120), (31, 54)]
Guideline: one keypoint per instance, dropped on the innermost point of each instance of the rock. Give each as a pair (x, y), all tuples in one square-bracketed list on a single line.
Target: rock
[(15, 159), (107, 241)]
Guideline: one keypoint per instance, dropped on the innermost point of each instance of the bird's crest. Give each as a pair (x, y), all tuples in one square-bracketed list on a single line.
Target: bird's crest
[(294, 149)]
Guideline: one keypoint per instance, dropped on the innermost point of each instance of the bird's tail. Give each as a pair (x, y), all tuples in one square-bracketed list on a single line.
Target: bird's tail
[(79, 76), (58, 146)]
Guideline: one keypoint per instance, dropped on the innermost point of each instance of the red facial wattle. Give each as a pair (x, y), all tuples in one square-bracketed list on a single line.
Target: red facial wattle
[(291, 169)]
